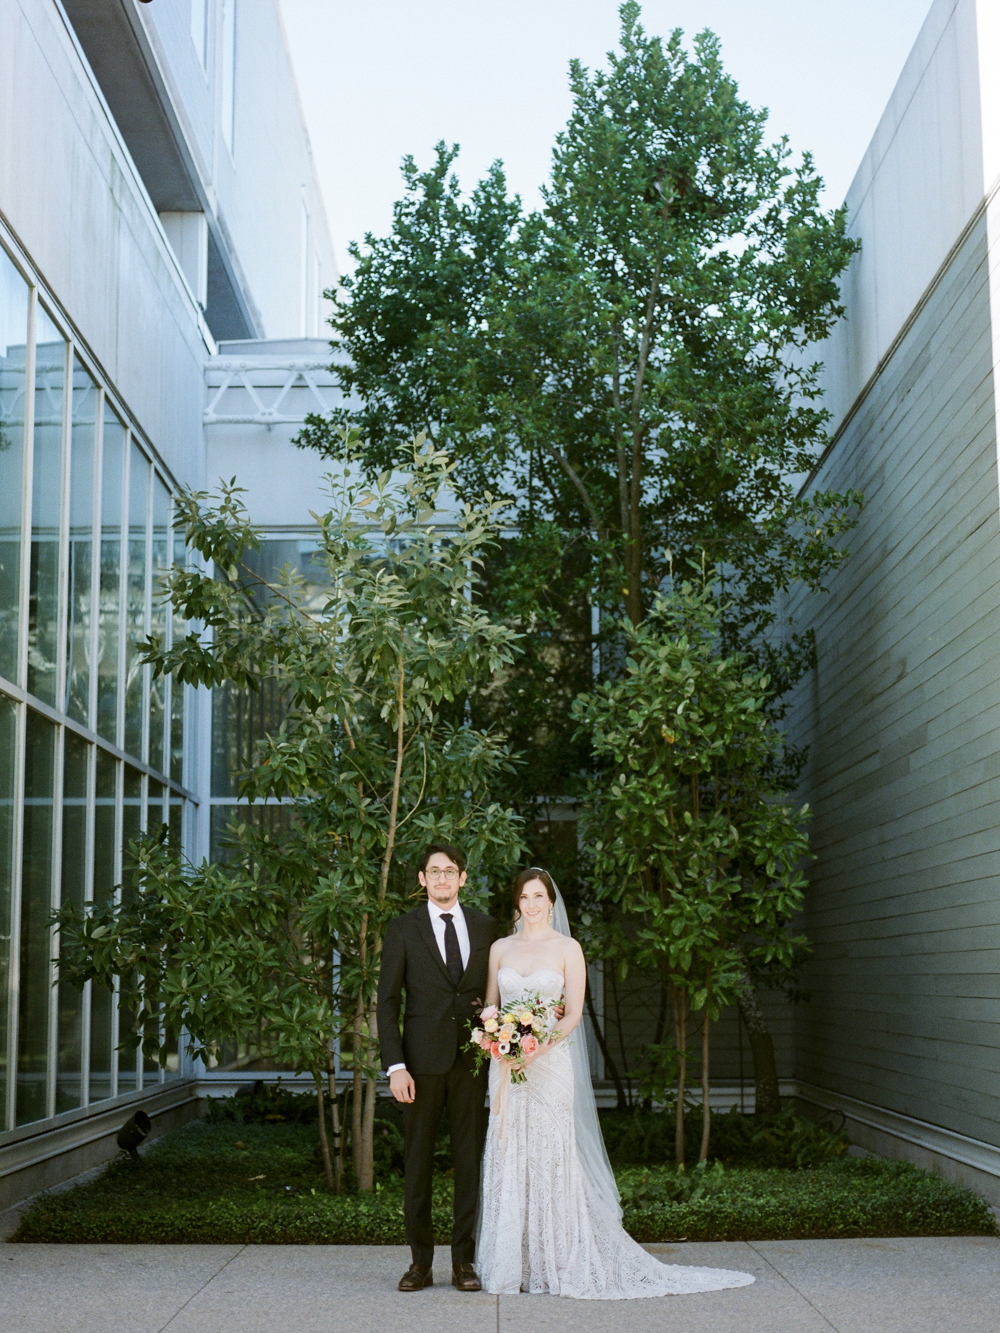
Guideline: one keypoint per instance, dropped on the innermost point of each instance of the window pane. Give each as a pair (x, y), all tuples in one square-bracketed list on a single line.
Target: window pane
[(13, 346), (178, 630), (135, 599), (176, 822), (43, 597), (158, 616), (154, 822), (81, 543), (112, 470), (8, 736), (131, 825), (105, 846), (76, 761), (154, 807), (36, 935)]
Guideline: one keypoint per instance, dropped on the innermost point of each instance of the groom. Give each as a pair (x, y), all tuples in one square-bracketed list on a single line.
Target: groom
[(438, 954)]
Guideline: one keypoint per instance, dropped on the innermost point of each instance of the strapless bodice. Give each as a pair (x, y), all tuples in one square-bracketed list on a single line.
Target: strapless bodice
[(544, 982)]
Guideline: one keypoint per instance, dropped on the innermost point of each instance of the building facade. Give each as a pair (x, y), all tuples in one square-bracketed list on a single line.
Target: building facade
[(163, 249), (902, 715)]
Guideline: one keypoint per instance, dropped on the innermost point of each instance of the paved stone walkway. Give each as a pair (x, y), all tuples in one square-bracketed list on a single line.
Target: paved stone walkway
[(922, 1285)]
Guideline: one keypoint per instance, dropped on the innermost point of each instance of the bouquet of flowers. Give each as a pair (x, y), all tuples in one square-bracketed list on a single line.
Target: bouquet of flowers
[(517, 1030)]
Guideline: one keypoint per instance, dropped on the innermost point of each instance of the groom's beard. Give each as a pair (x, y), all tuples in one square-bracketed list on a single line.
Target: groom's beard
[(441, 899)]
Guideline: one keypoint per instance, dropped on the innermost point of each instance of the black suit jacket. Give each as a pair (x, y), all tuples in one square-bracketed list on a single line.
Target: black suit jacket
[(437, 1017)]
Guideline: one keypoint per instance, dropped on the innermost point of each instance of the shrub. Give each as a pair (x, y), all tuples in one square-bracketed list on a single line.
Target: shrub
[(230, 1183), (646, 1138)]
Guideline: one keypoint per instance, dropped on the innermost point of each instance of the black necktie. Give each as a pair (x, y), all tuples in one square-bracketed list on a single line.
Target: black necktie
[(452, 953)]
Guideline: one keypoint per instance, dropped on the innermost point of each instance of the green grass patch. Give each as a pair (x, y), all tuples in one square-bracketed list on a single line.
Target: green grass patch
[(231, 1183)]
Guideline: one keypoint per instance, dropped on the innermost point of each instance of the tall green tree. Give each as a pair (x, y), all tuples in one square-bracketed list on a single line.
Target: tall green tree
[(689, 833), (374, 755), (628, 362)]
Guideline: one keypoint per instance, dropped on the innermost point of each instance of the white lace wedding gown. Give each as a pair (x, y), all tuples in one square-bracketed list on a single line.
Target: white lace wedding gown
[(542, 1227)]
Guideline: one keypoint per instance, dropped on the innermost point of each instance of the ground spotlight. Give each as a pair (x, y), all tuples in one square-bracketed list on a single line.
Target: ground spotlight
[(133, 1132)]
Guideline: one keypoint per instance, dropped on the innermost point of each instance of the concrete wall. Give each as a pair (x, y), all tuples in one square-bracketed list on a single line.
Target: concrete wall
[(934, 155), (73, 201), (902, 716), (264, 188)]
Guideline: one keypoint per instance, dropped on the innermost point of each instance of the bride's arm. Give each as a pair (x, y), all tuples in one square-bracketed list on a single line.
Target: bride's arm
[(575, 972)]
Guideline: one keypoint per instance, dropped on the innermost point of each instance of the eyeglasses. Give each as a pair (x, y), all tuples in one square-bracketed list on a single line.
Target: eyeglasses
[(450, 873)]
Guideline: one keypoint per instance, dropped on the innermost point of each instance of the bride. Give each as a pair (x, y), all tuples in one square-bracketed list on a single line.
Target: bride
[(550, 1217)]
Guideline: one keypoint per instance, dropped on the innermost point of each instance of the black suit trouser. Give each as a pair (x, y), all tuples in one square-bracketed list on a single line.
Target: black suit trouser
[(463, 1092)]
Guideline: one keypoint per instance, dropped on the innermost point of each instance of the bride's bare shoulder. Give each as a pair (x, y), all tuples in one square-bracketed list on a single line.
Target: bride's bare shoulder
[(498, 948), (574, 951)]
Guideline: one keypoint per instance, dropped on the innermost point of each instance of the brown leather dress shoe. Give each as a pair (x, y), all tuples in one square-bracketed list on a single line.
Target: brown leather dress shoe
[(416, 1277), (465, 1278)]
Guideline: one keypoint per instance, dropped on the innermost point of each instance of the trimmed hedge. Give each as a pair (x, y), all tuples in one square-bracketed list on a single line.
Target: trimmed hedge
[(851, 1197), (228, 1183)]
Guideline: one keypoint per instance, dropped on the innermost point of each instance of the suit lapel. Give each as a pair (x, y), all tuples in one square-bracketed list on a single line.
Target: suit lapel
[(427, 933), (476, 925)]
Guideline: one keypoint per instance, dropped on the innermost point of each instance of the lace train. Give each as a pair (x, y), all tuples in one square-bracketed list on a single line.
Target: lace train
[(542, 1230)]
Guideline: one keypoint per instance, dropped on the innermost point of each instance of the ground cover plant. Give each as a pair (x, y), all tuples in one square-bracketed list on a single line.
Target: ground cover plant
[(246, 1177)]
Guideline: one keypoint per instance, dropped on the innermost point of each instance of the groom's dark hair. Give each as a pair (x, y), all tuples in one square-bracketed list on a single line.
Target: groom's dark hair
[(443, 849)]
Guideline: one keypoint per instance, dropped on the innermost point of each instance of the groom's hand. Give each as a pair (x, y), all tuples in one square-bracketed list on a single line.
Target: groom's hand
[(402, 1086)]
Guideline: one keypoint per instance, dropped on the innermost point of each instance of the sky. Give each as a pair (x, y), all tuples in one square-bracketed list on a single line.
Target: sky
[(380, 79)]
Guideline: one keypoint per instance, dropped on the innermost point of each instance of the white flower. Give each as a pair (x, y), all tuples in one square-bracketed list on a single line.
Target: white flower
[(504, 1048), (477, 1034)]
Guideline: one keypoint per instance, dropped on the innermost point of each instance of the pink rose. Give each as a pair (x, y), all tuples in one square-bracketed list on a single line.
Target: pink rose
[(491, 1011), (529, 1045), (495, 1050), (485, 1041)]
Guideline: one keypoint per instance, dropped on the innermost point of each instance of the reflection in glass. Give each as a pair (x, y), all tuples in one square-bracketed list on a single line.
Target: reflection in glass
[(135, 599), (8, 738), (154, 823), (274, 820), (81, 543), (46, 487), (13, 345), (36, 935), (105, 876), (112, 470), (128, 1056), (178, 631), (176, 822), (158, 616), (241, 718), (69, 1049), (155, 817)]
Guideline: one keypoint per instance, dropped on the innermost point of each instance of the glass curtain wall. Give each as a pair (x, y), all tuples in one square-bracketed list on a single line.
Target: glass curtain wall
[(91, 749), (240, 718)]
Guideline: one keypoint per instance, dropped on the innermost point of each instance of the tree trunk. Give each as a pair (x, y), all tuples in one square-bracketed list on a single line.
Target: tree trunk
[(621, 1035), (765, 1069), (338, 1140), (366, 1180), (357, 1089), (706, 1110), (323, 1141), (680, 1016), (609, 1065)]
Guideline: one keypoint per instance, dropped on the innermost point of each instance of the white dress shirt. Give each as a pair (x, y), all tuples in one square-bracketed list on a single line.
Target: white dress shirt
[(461, 929), (439, 927)]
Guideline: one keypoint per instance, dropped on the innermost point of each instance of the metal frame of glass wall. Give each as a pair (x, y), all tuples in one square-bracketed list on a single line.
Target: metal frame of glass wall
[(91, 747)]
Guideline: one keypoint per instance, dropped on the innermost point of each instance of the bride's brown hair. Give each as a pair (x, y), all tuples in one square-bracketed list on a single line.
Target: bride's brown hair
[(525, 877)]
